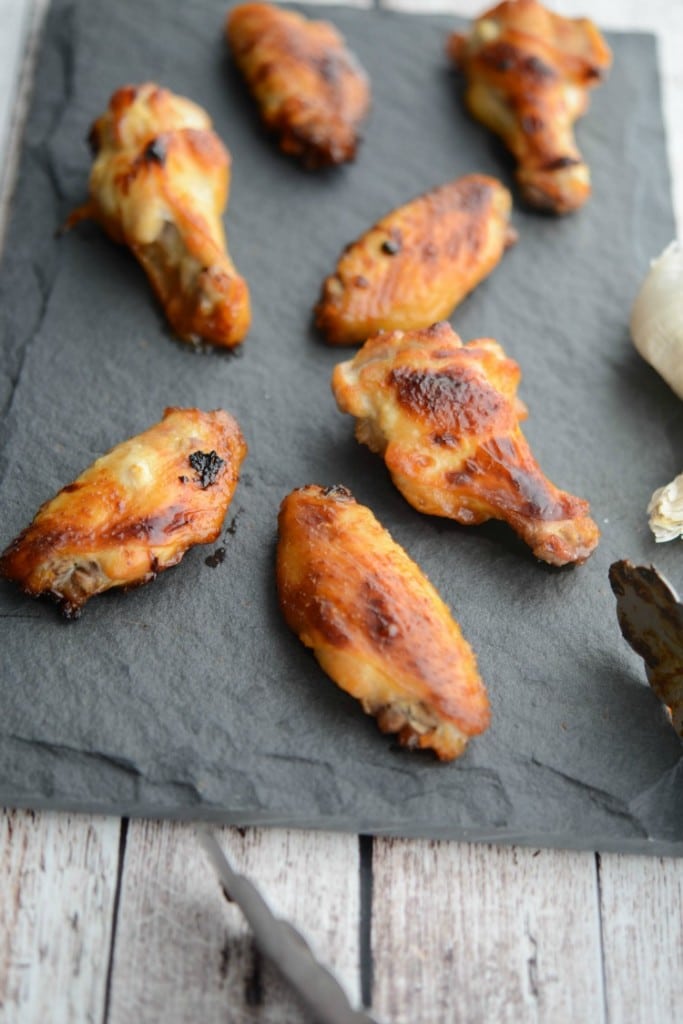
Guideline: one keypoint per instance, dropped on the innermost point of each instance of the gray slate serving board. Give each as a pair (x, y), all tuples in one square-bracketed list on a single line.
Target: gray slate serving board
[(189, 697)]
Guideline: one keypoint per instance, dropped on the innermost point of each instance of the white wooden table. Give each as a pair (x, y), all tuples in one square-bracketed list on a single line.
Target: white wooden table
[(117, 921)]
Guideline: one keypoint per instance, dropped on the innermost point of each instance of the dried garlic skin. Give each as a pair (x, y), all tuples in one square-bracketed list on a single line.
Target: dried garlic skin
[(657, 317), (666, 511)]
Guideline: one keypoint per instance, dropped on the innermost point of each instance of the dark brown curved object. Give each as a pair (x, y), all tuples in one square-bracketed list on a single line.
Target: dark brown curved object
[(650, 617)]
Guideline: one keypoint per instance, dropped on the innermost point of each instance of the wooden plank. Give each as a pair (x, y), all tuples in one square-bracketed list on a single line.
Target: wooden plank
[(476, 933), (58, 885), (642, 929), (183, 953)]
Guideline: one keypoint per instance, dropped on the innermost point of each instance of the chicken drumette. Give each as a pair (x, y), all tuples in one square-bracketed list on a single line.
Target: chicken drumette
[(311, 91), (159, 184), (446, 418), (133, 512), (528, 73), (375, 623)]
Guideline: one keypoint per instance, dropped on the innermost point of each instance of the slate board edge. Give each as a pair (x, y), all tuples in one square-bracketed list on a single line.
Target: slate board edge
[(187, 813), (222, 818)]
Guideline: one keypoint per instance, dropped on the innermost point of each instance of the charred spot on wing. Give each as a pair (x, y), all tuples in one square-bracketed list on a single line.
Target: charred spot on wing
[(445, 439), (455, 398), (504, 56), (472, 195), (207, 465), (155, 151), (393, 244), (331, 67), (338, 492), (537, 68), (500, 56), (531, 123), (560, 162)]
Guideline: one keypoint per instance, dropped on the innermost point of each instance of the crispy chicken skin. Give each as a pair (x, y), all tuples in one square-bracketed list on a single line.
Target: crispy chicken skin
[(416, 264), (376, 624), (133, 513), (446, 418), (311, 91), (528, 73), (159, 184)]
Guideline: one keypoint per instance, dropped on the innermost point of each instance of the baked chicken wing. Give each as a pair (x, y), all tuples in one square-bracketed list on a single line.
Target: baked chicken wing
[(528, 73), (376, 624), (133, 513), (416, 264), (446, 418), (311, 91), (159, 184)]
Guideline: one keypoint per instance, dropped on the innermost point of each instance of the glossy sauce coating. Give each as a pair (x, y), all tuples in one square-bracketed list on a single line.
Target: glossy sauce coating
[(446, 416), (416, 264), (528, 73), (311, 91), (159, 184), (375, 623), (133, 512)]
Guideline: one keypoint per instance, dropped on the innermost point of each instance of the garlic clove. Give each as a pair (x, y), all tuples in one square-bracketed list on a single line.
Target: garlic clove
[(657, 317), (666, 511)]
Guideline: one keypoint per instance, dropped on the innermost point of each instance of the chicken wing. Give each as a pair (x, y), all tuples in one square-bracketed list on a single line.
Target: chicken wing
[(446, 418), (416, 264), (159, 184), (133, 513), (311, 91), (376, 624), (528, 74)]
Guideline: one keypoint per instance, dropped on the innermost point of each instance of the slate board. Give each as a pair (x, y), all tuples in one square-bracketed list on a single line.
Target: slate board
[(189, 697)]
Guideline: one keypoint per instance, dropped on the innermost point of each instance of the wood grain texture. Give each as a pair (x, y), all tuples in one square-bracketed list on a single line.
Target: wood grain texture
[(642, 931), (477, 933), (183, 953), (58, 884)]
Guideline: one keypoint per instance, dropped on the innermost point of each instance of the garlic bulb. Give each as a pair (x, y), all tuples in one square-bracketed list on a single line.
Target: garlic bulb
[(657, 317), (666, 511)]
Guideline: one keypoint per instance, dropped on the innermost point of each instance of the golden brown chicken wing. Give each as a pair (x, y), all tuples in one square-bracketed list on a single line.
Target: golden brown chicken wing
[(528, 74), (416, 264), (159, 184), (133, 513), (446, 418), (375, 623), (311, 91)]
